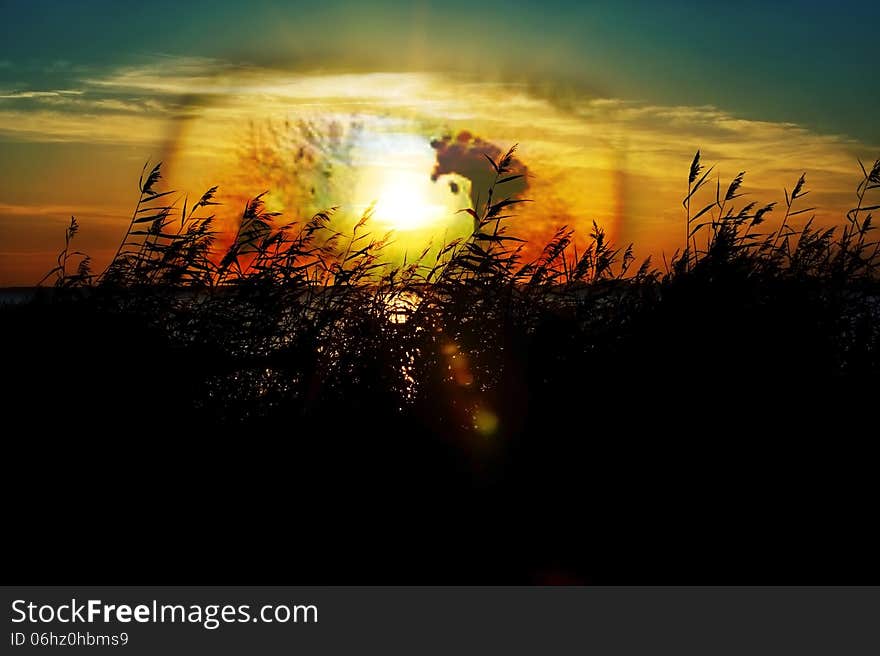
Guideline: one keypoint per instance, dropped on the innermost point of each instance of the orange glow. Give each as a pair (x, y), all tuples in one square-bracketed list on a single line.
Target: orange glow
[(346, 141)]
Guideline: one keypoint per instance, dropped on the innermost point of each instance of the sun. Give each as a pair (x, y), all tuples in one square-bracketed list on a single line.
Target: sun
[(395, 189), (405, 202)]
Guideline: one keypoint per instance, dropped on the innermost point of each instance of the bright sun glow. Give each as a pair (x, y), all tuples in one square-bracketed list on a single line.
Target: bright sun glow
[(404, 202)]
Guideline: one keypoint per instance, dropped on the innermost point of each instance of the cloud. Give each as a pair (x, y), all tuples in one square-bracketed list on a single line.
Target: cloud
[(56, 211), (15, 95), (58, 126), (133, 105), (465, 154), (179, 76)]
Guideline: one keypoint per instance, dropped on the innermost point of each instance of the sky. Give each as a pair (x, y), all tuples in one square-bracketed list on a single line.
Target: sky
[(608, 101)]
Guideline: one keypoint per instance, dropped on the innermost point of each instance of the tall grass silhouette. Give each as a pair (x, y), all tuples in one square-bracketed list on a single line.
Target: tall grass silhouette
[(282, 287)]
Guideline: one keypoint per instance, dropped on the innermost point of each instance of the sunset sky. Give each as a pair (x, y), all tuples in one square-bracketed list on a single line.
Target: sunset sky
[(347, 104)]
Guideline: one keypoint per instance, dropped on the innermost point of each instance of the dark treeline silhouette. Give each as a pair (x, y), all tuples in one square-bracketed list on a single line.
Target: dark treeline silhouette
[(293, 409)]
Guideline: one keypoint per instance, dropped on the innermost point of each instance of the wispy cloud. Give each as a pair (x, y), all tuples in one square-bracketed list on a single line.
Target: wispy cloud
[(178, 76), (15, 95), (59, 126), (150, 106), (26, 212), (224, 93)]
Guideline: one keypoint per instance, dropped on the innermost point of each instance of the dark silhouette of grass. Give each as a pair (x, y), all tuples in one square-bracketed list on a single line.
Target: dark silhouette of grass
[(295, 405)]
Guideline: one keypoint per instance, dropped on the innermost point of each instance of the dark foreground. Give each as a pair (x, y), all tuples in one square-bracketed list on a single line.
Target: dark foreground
[(714, 435)]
